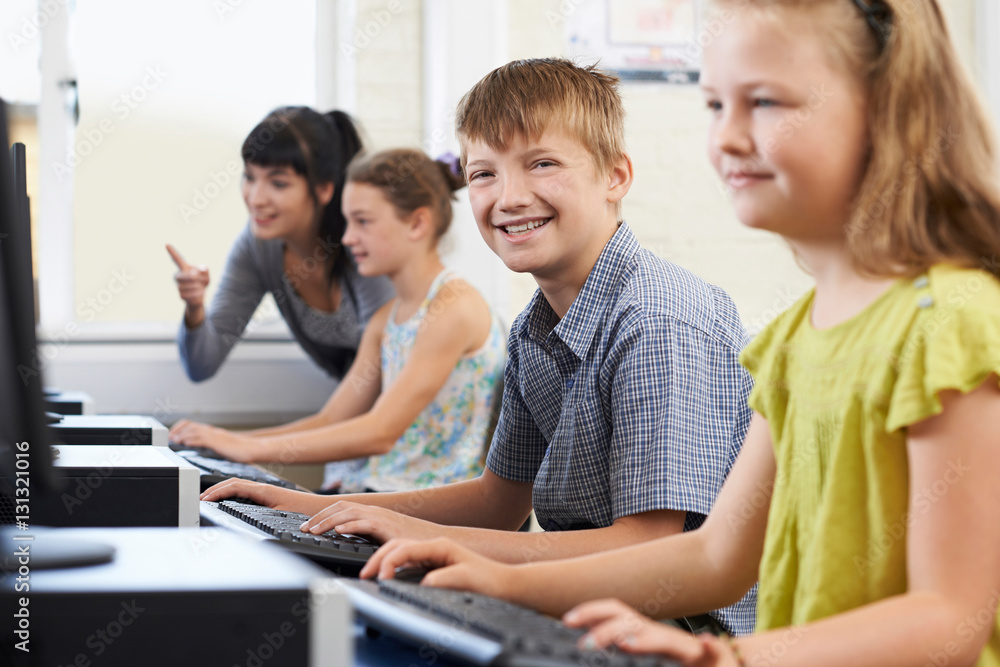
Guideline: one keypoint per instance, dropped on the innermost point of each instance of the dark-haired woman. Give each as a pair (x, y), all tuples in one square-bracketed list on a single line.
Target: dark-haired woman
[(295, 161)]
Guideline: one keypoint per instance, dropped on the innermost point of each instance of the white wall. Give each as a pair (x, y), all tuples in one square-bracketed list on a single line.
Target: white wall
[(261, 383)]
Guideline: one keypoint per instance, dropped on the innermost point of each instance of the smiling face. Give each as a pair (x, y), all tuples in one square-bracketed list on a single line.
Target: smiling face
[(788, 133), (279, 203), (375, 234), (541, 206)]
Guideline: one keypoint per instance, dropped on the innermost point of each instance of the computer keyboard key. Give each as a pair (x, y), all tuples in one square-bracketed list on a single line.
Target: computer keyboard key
[(215, 470), (343, 554)]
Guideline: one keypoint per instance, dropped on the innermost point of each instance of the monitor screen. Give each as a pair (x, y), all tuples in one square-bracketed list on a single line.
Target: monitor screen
[(25, 438), (22, 209), (22, 212)]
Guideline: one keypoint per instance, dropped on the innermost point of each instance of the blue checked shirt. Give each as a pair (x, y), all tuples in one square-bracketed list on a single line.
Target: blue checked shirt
[(635, 401)]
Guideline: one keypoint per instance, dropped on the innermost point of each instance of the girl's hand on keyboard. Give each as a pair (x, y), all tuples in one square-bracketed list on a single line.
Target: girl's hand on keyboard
[(452, 566), (614, 623), (232, 446)]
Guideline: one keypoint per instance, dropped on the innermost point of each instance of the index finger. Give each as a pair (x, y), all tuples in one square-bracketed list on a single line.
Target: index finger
[(178, 259), (593, 612), (328, 512), (430, 554), (381, 554)]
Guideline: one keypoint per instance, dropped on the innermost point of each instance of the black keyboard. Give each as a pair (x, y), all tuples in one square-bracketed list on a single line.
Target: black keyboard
[(478, 629), (345, 554), (215, 470)]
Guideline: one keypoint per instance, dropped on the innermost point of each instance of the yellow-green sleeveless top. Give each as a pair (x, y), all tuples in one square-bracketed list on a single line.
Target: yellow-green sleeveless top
[(838, 402)]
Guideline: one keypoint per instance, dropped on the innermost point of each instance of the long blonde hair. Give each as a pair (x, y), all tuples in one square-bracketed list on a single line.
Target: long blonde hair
[(931, 189)]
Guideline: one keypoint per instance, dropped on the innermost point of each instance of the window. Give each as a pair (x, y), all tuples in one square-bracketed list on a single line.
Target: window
[(20, 85), (167, 92)]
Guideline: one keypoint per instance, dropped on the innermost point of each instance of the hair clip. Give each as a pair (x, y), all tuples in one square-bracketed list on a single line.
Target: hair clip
[(879, 17), (453, 162)]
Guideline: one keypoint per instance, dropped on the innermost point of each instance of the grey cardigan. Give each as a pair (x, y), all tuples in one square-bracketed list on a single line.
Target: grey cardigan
[(255, 267)]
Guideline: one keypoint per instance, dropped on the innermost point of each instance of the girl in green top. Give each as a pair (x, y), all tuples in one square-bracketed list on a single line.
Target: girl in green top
[(866, 496)]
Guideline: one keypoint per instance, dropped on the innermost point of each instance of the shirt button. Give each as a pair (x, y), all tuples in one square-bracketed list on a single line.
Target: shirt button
[(921, 282), (925, 302), (569, 383)]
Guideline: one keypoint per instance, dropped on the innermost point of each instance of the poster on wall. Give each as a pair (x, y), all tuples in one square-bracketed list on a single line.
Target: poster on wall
[(639, 40)]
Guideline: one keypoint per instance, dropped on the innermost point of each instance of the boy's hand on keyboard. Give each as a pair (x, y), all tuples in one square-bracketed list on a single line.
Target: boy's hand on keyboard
[(452, 566), (382, 524), (268, 495), (614, 623), (231, 445)]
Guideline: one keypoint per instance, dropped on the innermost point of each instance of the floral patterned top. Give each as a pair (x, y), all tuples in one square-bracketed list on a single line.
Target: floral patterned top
[(447, 440)]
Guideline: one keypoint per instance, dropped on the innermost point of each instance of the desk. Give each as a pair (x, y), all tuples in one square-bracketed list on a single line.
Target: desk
[(174, 596), (384, 651), (202, 583)]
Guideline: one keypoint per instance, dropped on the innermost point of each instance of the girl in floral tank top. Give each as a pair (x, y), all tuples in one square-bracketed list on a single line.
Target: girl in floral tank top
[(445, 442), (418, 398)]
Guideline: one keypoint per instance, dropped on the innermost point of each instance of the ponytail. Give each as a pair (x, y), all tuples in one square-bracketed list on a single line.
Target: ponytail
[(332, 223), (451, 171)]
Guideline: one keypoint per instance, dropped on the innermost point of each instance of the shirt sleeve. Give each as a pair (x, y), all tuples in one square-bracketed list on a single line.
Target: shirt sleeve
[(953, 345), (518, 446), (241, 288), (679, 405)]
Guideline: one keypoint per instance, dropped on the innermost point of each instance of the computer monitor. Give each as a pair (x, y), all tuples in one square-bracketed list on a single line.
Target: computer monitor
[(22, 208), (25, 438), (22, 211), (27, 475)]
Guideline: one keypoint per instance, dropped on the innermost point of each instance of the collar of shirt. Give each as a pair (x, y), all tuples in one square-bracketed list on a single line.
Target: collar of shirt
[(576, 330)]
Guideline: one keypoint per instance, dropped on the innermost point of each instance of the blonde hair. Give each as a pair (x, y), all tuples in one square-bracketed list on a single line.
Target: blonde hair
[(409, 180), (528, 97), (929, 193)]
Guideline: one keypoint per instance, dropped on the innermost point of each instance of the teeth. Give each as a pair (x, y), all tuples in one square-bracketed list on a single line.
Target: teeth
[(528, 226)]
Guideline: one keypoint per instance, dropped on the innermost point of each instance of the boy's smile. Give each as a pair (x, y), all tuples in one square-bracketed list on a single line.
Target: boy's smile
[(524, 225), (542, 207)]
